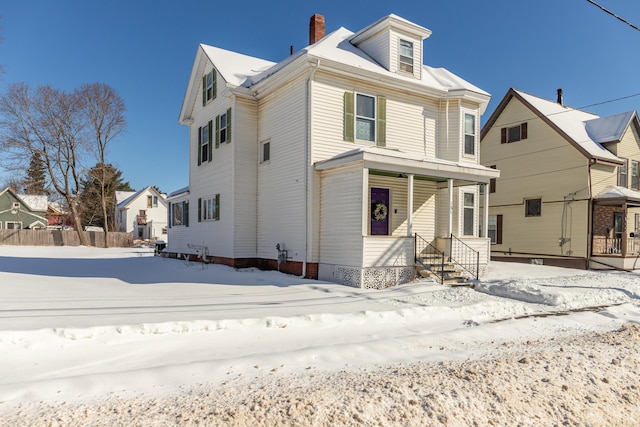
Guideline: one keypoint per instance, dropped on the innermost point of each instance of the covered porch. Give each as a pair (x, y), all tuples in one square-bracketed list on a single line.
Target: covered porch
[(389, 200), (616, 229)]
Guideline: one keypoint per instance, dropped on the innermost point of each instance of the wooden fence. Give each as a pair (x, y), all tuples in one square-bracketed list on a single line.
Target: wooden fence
[(62, 238)]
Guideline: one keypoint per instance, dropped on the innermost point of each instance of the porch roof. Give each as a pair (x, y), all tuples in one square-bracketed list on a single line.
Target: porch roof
[(614, 195), (396, 161)]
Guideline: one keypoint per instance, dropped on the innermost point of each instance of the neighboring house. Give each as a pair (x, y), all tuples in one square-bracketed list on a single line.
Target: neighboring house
[(142, 213), (328, 163), (569, 189), (22, 211), (58, 217)]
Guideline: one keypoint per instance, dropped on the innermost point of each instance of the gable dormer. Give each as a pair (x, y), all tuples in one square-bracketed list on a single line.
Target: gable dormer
[(394, 43)]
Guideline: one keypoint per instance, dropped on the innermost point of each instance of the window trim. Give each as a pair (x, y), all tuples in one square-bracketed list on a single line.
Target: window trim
[(209, 88), (465, 207), (635, 175), (209, 209), (527, 209), (504, 133), (408, 60), (266, 144), (625, 168), (184, 206), (356, 116), (465, 134), (6, 223)]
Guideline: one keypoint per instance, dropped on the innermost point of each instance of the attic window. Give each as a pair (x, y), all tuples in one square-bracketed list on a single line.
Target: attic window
[(513, 134), (208, 87), (406, 56)]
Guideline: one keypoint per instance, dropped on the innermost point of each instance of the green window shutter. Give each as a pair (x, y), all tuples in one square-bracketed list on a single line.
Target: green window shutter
[(348, 125), (381, 122), (199, 209), (217, 212), (186, 213), (215, 84), (204, 90), (217, 131), (229, 125), (199, 148), (210, 148)]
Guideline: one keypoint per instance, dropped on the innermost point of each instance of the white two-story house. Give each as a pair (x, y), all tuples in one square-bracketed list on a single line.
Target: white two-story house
[(142, 213), (336, 163)]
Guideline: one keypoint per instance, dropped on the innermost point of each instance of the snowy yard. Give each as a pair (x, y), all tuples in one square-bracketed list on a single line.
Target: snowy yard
[(86, 330)]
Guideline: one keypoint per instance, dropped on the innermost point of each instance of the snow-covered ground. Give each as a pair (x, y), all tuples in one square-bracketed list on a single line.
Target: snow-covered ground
[(86, 328)]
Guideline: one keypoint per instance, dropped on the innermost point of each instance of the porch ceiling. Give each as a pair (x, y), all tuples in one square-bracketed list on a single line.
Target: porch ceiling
[(398, 162)]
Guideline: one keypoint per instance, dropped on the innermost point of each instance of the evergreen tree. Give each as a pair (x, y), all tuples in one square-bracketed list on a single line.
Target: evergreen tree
[(90, 202), (35, 181)]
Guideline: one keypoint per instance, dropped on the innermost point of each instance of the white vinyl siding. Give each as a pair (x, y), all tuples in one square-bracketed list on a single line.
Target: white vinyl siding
[(341, 216), (245, 154), (281, 185), (411, 122)]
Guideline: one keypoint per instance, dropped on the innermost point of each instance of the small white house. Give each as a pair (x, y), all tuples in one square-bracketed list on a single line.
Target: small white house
[(142, 213), (342, 162)]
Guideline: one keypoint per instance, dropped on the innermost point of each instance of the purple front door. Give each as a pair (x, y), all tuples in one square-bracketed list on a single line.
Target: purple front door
[(379, 211)]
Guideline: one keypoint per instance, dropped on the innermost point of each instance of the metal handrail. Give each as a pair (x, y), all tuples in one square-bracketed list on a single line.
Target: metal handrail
[(464, 256), (424, 249)]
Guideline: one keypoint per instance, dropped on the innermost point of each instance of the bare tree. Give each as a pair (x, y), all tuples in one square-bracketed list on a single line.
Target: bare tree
[(47, 122), (104, 110)]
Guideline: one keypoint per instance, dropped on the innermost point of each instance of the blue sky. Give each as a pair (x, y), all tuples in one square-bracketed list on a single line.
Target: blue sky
[(145, 49)]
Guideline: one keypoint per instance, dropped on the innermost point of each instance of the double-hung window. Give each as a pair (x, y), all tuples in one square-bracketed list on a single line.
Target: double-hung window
[(622, 174), (209, 208), (223, 128), (469, 134), (205, 143), (635, 175), (208, 87), (365, 117), (180, 214), (406, 56), (469, 213)]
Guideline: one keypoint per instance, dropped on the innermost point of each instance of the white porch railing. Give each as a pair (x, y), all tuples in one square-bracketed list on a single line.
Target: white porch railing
[(614, 246)]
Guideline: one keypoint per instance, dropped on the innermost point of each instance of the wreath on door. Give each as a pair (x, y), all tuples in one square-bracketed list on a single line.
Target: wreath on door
[(379, 210)]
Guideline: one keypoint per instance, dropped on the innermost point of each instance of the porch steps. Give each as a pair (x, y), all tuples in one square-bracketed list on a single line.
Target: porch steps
[(430, 267)]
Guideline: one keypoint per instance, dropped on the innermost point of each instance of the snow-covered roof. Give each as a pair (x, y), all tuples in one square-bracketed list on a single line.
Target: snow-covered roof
[(121, 196), (134, 195), (235, 67), (336, 47), (616, 192), (183, 190), (609, 128), (35, 202)]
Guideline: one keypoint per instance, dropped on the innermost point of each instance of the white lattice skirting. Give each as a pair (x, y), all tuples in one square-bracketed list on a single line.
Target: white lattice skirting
[(373, 277)]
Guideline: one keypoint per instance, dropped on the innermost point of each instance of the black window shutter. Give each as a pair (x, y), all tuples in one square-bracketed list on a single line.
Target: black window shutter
[(217, 212), (503, 136), (199, 209), (186, 213), (204, 90), (217, 131), (210, 147), (499, 229), (199, 149), (169, 215), (523, 131)]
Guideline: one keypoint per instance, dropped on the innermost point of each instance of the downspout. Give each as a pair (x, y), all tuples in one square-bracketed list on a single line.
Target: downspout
[(589, 214), (308, 152)]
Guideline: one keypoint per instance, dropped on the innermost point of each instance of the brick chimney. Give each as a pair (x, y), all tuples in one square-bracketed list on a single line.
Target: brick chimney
[(316, 28)]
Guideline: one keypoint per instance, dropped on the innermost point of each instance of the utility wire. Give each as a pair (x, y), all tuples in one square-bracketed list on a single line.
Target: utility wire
[(619, 18)]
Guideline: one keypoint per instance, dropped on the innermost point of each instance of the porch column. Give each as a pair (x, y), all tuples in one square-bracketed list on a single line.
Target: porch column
[(450, 220), (485, 221), (365, 202), (410, 205)]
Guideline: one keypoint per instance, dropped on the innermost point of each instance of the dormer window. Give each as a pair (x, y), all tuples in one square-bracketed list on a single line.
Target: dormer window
[(406, 56)]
